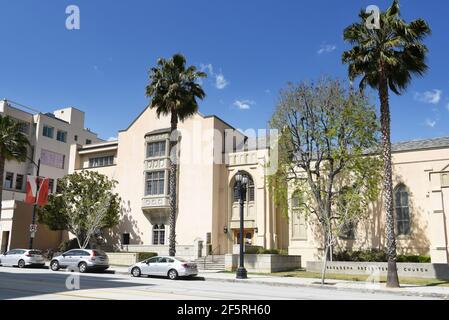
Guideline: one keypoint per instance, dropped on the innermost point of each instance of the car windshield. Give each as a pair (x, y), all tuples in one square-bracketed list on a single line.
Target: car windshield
[(36, 252), (181, 260)]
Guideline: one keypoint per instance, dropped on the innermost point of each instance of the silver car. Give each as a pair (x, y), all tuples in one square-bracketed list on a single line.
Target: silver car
[(164, 266), (81, 259), (22, 258)]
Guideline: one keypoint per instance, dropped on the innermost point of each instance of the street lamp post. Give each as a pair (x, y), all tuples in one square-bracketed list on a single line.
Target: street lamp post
[(33, 220), (242, 181)]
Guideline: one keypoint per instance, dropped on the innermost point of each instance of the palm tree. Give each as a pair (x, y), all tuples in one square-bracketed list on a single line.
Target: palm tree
[(13, 146), (174, 90), (387, 58)]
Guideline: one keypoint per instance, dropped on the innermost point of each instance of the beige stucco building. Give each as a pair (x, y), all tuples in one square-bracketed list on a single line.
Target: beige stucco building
[(208, 216), (210, 153), (50, 136), (421, 204)]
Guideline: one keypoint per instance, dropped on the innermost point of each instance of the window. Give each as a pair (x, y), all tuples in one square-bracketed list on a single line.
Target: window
[(9, 177), (156, 149), (299, 225), (125, 239), (159, 234), (52, 159), (24, 127), (61, 136), (19, 182), (402, 210), (75, 138), (101, 161), (48, 132), (154, 183), (249, 194), (88, 141), (51, 185)]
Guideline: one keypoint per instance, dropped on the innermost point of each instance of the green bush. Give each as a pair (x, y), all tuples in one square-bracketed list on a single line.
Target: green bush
[(413, 258), (376, 255), (68, 245), (145, 255), (267, 251)]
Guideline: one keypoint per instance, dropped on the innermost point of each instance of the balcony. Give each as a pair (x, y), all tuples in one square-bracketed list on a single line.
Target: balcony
[(156, 164), (155, 202)]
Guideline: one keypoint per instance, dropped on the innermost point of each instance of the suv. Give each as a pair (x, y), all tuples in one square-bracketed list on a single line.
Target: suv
[(82, 259)]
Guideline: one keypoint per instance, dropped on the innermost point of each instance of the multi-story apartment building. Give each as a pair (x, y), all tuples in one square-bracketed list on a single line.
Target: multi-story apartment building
[(50, 136)]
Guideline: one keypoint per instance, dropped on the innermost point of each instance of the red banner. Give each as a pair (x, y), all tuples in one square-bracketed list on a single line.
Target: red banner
[(31, 189)]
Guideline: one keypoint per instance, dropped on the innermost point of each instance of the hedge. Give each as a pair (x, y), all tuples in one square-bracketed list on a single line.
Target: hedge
[(376, 255)]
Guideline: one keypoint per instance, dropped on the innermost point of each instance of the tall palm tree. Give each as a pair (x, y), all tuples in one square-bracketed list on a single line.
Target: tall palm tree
[(13, 146), (174, 90), (387, 58)]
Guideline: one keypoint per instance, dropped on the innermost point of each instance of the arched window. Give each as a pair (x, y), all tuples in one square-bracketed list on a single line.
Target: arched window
[(159, 234), (249, 190), (401, 205)]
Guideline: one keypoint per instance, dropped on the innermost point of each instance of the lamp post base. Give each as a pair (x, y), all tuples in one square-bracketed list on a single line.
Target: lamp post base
[(241, 273)]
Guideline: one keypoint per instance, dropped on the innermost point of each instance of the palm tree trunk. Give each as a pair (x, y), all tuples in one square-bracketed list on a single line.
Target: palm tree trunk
[(392, 276), (2, 171), (172, 185)]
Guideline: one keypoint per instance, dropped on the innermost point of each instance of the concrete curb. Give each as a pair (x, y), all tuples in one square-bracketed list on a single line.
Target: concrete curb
[(399, 292)]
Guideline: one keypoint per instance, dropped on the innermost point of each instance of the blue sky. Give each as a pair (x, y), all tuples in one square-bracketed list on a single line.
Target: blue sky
[(250, 49)]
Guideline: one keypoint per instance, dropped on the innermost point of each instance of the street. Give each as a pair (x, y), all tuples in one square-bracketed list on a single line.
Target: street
[(43, 284)]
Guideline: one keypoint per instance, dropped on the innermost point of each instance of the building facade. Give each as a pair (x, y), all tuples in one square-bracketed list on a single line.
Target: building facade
[(421, 208), (210, 153), (50, 136), (208, 210)]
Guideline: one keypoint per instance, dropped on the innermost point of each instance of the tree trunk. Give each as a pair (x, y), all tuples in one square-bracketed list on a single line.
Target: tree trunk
[(387, 192), (2, 171), (172, 185), (323, 268)]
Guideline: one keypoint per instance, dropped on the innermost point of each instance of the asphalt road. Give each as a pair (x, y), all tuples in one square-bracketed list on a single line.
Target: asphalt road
[(43, 284)]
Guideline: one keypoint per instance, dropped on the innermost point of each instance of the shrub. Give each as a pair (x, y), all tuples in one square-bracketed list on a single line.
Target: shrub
[(413, 258), (376, 255), (267, 251), (68, 245), (145, 255)]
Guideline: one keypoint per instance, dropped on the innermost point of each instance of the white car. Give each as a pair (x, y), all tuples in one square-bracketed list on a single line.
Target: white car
[(22, 258), (170, 267)]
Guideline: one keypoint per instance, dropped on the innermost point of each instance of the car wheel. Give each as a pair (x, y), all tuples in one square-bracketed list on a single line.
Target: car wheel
[(21, 264), (82, 267), (136, 272), (172, 274), (54, 265)]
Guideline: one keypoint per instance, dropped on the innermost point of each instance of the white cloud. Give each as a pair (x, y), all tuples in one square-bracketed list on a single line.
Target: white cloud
[(244, 104), (220, 80), (326, 48), (112, 139), (430, 123), (447, 106), (433, 96)]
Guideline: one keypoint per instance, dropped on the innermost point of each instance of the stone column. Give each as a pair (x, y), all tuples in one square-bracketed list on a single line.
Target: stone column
[(437, 220)]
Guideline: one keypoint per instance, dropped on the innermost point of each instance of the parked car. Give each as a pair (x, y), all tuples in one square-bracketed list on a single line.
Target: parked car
[(22, 258), (81, 259), (164, 266)]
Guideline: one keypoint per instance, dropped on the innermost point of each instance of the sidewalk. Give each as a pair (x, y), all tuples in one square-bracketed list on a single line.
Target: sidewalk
[(406, 289)]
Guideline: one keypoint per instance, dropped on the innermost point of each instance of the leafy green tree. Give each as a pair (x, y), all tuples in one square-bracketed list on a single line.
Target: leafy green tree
[(13, 146), (174, 90), (324, 165), (83, 204), (387, 58)]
